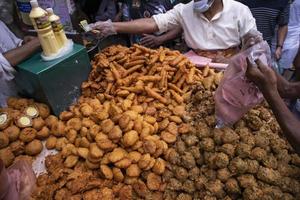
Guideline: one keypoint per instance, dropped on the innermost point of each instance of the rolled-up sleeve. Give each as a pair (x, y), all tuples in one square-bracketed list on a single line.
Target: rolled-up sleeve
[(168, 20), (247, 21)]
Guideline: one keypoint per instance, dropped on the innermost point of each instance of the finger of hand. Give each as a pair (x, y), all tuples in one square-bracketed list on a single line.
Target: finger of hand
[(261, 66), (252, 71)]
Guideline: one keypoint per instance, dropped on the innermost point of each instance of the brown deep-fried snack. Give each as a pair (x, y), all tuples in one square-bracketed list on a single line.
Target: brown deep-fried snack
[(44, 110), (159, 166), (66, 115), (4, 140), (51, 142), (130, 138), (106, 172), (12, 132), (153, 181), (71, 161), (124, 163), (31, 111), (58, 129), (133, 171), (17, 147), (116, 155), (34, 148), (118, 174), (50, 120), (28, 134), (23, 121), (43, 133), (38, 123), (134, 156), (7, 156), (115, 134), (5, 120), (74, 123)]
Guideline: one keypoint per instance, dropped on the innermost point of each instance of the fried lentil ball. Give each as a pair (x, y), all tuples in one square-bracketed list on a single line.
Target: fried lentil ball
[(221, 160), (268, 175), (271, 162), (253, 166), (216, 188), (181, 173), (261, 140), (238, 166), (184, 196), (193, 173), (202, 130), (180, 147), (7, 156), (258, 153), (232, 186), (272, 192), (174, 184), (207, 144), (229, 136), (188, 160), (191, 140), (17, 147), (223, 174), (252, 193), (188, 186), (247, 180), (229, 149), (243, 150)]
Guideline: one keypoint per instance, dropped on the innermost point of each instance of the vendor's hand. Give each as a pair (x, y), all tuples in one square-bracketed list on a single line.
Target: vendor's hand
[(278, 53), (103, 29), (251, 38), (264, 77), (150, 41)]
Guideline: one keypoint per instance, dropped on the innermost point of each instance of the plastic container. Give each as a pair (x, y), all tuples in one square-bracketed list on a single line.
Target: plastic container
[(57, 28), (24, 9), (42, 25), (8, 190)]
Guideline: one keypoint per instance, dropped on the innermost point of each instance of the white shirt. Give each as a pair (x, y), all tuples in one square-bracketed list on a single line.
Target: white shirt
[(8, 41), (223, 31)]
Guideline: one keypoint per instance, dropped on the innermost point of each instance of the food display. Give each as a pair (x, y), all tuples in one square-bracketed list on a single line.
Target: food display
[(144, 128)]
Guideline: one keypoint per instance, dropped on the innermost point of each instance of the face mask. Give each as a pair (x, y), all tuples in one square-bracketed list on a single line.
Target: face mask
[(202, 6)]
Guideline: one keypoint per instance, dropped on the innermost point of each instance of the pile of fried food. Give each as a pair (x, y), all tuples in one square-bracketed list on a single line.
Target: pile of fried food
[(22, 127), (144, 128), (248, 161)]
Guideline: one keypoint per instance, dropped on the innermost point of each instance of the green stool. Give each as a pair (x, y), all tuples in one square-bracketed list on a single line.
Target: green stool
[(56, 83)]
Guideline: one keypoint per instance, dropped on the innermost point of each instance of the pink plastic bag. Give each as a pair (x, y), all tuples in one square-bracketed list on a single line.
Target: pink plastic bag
[(17, 182), (236, 95)]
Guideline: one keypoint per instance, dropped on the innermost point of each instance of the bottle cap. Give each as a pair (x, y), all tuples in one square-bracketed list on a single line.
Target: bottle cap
[(34, 3), (49, 10)]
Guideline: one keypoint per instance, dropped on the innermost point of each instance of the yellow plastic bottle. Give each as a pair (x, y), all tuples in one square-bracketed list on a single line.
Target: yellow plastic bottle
[(57, 28), (40, 22)]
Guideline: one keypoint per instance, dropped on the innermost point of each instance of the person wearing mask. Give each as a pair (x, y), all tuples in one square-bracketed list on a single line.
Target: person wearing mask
[(12, 52), (271, 15), (207, 25)]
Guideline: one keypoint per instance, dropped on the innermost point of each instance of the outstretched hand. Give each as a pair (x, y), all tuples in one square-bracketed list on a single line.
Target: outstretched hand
[(150, 41), (103, 29), (263, 76)]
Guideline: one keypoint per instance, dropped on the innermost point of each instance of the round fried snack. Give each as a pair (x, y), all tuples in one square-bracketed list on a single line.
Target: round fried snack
[(12, 132), (58, 129), (118, 175), (51, 142), (4, 140), (149, 146), (144, 161), (23, 121), (117, 155), (124, 163), (91, 165), (32, 111), (74, 123), (124, 121), (86, 110), (134, 156), (115, 134), (133, 171), (71, 161), (66, 115), (38, 123), (168, 137), (106, 172), (159, 166), (83, 152), (44, 110), (95, 152), (17, 147), (43, 133), (28, 134), (130, 138), (153, 181), (34, 148), (7, 156), (51, 120), (4, 121), (107, 125)]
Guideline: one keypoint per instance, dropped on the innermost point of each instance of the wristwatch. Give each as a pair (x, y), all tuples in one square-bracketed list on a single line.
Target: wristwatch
[(277, 46)]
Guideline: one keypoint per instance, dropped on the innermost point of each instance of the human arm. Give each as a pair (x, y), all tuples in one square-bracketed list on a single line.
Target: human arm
[(283, 21), (17, 55), (155, 41), (139, 26), (266, 80), (286, 89)]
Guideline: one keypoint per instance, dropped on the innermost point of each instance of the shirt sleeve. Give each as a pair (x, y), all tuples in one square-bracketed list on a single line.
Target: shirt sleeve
[(7, 72), (17, 41), (169, 19), (284, 16), (247, 22)]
